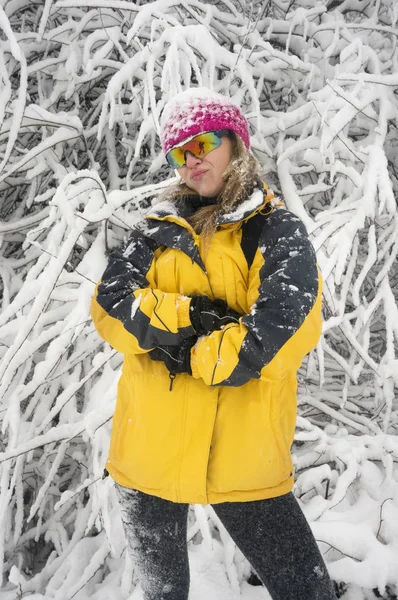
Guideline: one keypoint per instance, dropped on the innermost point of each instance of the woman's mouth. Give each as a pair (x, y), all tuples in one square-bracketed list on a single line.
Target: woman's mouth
[(198, 175)]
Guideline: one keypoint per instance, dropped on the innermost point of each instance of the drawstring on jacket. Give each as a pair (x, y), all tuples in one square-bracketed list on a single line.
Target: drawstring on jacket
[(172, 376)]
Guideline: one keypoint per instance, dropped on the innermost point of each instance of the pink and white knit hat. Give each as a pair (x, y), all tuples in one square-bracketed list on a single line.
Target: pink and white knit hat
[(197, 110)]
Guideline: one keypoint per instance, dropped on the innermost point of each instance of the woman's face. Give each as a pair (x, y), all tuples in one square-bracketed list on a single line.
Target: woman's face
[(204, 175)]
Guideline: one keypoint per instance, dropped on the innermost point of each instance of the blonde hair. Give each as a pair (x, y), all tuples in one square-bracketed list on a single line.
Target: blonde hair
[(241, 176)]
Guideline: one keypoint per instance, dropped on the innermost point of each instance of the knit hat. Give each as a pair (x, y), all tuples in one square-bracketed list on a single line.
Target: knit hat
[(197, 110)]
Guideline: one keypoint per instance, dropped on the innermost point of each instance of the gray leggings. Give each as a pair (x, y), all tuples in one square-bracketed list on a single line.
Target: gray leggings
[(272, 534)]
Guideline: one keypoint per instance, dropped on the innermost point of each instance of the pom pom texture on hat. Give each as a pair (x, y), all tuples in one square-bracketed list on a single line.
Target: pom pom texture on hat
[(198, 110)]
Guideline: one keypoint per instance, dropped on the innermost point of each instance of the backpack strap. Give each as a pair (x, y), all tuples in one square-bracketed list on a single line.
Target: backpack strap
[(251, 231)]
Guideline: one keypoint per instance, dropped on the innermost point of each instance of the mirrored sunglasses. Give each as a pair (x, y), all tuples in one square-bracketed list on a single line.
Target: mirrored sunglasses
[(199, 146)]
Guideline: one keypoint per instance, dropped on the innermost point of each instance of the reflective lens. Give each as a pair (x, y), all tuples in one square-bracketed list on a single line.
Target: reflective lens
[(199, 146)]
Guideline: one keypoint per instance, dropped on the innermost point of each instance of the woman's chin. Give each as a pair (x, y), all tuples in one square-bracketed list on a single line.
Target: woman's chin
[(204, 189)]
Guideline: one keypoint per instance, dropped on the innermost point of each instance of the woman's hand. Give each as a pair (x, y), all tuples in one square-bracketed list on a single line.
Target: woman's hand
[(176, 358), (208, 316)]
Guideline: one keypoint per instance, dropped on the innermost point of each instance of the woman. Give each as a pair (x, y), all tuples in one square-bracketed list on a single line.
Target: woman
[(214, 300)]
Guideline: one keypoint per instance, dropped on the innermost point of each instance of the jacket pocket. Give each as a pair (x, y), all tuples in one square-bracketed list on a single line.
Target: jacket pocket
[(147, 428), (249, 450), (283, 420)]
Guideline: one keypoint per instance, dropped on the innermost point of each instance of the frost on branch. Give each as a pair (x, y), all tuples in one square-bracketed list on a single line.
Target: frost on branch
[(83, 84)]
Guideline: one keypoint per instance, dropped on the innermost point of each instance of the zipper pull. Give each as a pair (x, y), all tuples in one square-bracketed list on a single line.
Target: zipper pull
[(172, 376)]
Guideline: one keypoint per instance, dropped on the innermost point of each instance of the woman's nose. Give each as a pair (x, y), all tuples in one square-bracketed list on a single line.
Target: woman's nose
[(192, 160)]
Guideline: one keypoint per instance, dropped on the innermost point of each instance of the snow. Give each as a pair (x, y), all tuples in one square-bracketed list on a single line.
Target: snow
[(247, 207), (82, 89)]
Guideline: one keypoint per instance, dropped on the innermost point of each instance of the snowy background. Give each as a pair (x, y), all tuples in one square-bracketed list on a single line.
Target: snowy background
[(82, 85)]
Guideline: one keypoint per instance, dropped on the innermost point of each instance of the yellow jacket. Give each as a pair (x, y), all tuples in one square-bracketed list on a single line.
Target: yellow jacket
[(224, 433)]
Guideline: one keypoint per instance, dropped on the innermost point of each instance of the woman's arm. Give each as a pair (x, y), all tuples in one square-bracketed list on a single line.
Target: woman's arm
[(127, 309), (285, 320)]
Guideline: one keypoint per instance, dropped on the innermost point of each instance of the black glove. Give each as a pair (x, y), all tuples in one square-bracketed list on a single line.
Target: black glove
[(176, 358), (207, 316)]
